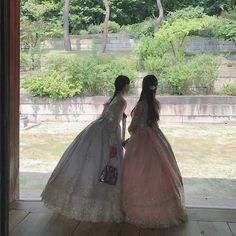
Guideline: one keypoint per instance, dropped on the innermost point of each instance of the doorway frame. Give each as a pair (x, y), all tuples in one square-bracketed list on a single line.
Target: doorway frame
[(9, 108)]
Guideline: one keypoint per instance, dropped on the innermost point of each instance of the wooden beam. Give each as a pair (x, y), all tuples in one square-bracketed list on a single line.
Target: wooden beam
[(14, 75), (9, 108)]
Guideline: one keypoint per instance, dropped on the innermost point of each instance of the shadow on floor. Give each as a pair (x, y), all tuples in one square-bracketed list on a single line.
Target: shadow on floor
[(32, 184)]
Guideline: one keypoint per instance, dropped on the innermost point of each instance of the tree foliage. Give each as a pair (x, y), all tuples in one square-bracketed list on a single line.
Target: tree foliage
[(124, 12), (40, 20), (163, 54)]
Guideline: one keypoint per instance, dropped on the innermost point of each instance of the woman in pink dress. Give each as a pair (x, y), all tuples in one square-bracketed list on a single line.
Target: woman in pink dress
[(152, 187)]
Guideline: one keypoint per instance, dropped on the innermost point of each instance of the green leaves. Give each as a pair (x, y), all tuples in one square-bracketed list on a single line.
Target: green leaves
[(191, 77), (228, 89), (113, 27), (164, 56), (175, 32), (187, 13), (225, 29), (75, 75), (138, 30)]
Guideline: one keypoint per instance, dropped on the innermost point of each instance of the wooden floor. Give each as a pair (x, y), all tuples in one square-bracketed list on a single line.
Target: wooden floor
[(28, 218)]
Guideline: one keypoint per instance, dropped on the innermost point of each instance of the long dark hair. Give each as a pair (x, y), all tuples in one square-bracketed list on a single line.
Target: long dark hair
[(149, 88), (120, 82)]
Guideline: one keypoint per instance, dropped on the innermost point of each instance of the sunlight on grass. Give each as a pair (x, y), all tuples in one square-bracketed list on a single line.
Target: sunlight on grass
[(205, 155)]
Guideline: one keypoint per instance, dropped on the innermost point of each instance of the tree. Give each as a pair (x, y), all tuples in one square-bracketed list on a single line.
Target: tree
[(66, 26), (167, 44), (105, 25), (160, 17), (180, 24)]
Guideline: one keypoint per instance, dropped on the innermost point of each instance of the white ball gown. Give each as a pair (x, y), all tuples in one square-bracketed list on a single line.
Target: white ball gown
[(74, 189)]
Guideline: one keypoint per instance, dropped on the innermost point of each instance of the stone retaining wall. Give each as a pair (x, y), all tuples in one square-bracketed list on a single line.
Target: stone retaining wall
[(174, 109), (122, 42)]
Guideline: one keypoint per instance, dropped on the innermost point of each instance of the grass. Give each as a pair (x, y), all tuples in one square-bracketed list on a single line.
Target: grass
[(205, 155)]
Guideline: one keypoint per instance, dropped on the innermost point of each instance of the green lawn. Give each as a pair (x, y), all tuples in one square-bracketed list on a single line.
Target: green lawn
[(205, 154)]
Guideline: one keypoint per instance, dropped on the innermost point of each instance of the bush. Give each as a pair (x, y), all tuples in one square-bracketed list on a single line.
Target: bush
[(95, 29), (145, 28), (170, 37), (204, 71), (224, 29), (155, 65), (228, 89), (89, 76), (113, 27), (52, 83), (83, 32), (175, 79), (30, 59), (152, 47), (231, 15), (194, 77), (187, 13)]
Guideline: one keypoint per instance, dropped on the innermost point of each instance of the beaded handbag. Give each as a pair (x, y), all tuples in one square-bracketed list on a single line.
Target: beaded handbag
[(109, 174)]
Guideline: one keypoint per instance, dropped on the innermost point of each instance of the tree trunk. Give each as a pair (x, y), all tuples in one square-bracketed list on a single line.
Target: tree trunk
[(105, 25), (160, 17), (67, 43)]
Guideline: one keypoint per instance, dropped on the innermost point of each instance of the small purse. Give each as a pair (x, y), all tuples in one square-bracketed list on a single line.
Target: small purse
[(109, 174), (124, 143)]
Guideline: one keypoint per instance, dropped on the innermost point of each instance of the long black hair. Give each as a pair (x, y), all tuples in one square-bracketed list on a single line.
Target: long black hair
[(120, 82), (149, 88)]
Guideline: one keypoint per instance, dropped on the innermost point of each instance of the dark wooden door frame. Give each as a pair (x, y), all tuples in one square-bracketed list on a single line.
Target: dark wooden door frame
[(4, 118), (14, 94), (9, 108)]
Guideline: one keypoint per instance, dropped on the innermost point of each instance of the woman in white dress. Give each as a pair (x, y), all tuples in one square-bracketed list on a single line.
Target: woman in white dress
[(74, 189)]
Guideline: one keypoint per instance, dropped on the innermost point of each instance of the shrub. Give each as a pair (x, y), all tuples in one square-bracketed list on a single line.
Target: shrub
[(204, 71), (186, 14), (176, 79), (224, 29), (231, 15), (91, 75), (173, 31), (228, 89), (52, 83), (30, 59), (83, 32), (155, 65), (194, 77), (152, 47), (138, 30), (95, 29), (113, 27)]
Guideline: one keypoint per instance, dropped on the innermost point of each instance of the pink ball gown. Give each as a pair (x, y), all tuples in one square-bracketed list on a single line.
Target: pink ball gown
[(152, 194)]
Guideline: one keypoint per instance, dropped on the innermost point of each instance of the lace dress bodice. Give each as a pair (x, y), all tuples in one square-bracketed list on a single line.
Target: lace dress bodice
[(113, 113), (139, 117)]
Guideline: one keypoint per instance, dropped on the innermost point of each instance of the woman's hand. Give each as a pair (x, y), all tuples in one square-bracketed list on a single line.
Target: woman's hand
[(113, 151)]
